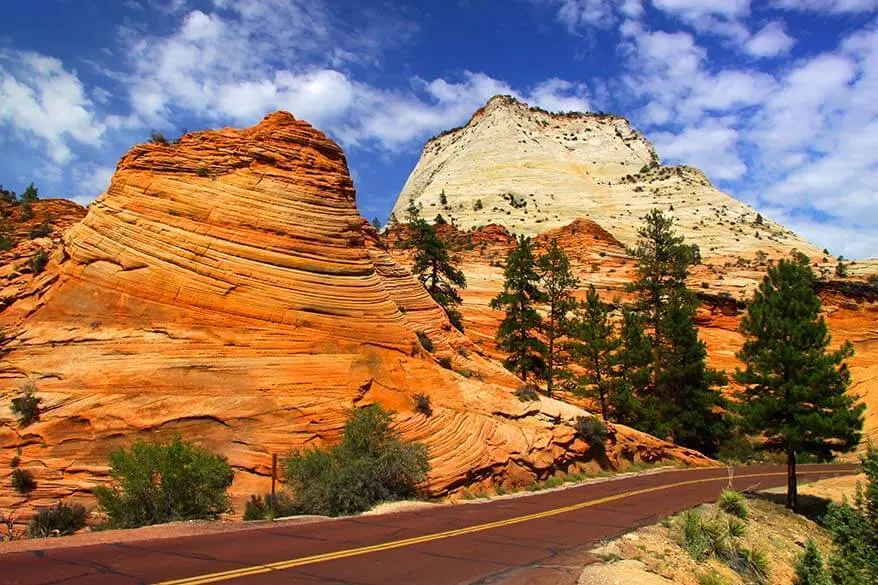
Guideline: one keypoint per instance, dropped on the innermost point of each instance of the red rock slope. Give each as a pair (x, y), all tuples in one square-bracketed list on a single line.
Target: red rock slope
[(226, 288)]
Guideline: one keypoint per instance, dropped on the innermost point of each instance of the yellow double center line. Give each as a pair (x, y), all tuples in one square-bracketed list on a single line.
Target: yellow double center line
[(363, 550)]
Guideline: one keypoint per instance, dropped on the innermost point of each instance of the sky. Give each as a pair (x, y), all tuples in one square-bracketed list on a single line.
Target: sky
[(776, 100)]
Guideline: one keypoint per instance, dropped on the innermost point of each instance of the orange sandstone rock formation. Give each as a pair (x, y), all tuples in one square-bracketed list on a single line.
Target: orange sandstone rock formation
[(226, 288)]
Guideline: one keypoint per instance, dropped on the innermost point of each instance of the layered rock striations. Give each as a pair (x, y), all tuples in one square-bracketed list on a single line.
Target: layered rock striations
[(226, 288), (587, 180), (530, 170)]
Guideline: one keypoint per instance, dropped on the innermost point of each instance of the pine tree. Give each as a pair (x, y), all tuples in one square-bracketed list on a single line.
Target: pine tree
[(663, 264), (434, 266), (519, 298), (558, 286), (30, 194), (795, 395), (693, 409), (593, 345), (436, 270), (630, 400), (682, 400), (376, 223)]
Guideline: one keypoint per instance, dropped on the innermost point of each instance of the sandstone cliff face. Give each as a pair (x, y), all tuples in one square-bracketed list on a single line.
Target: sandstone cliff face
[(723, 283), (226, 288), (531, 171)]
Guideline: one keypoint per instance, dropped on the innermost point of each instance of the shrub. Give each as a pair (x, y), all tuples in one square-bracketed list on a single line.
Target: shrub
[(593, 431), (157, 137), (41, 231), (5, 242), (841, 270), (733, 503), (261, 508), (445, 362), (203, 172), (59, 520), (23, 481), (27, 406), (38, 261), (527, 393), (810, 569), (422, 404), (710, 578), (854, 530), (371, 464), (27, 212), (752, 563), (425, 340), (160, 482)]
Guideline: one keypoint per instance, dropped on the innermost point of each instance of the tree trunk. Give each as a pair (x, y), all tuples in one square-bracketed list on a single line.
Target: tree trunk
[(551, 361), (792, 481), (601, 391)]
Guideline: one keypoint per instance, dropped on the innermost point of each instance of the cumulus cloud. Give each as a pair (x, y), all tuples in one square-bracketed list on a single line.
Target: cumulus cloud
[(772, 40), (712, 147), (43, 102), (835, 6)]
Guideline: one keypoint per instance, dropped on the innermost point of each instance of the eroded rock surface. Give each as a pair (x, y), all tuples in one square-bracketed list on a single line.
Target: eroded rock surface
[(226, 288)]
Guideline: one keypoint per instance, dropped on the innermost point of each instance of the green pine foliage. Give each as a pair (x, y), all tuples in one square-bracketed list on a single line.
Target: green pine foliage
[(810, 569), (154, 483), (26, 406), (30, 195), (681, 387), (854, 529), (519, 299), (558, 284), (372, 464), (434, 267), (630, 401), (593, 344), (795, 388), (690, 404)]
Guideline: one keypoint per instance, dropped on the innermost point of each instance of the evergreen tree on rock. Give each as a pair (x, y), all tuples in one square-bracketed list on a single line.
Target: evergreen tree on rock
[(519, 299), (593, 343), (796, 389), (434, 267), (558, 284)]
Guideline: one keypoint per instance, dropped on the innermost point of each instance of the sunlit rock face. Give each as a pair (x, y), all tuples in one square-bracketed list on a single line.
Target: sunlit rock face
[(587, 180), (226, 289)]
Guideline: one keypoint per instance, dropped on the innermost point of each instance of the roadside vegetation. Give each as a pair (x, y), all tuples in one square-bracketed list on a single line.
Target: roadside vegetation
[(370, 465)]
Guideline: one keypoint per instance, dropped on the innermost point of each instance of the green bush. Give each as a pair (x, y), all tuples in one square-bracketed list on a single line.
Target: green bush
[(23, 481), (59, 520), (733, 503), (854, 530), (422, 404), (445, 362), (27, 406), (593, 431), (425, 340), (810, 569), (38, 261), (703, 537), (527, 393), (371, 464), (160, 482), (41, 231), (261, 508)]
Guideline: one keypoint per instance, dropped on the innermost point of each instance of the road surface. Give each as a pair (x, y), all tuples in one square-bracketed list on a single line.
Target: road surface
[(540, 538)]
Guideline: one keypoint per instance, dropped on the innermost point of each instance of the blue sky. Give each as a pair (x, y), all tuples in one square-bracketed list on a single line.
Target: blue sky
[(776, 100)]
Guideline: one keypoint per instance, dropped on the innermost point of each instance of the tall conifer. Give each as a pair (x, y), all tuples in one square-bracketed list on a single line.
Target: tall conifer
[(795, 395), (558, 284), (593, 343), (519, 299)]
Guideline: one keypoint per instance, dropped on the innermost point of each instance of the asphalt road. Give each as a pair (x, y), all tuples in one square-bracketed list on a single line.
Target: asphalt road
[(540, 538)]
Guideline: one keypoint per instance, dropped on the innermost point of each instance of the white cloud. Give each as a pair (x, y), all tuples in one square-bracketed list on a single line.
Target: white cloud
[(42, 101), (585, 13), (712, 147), (697, 8), (835, 6), (771, 41), (91, 180), (558, 95)]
